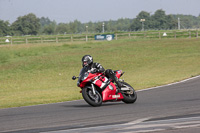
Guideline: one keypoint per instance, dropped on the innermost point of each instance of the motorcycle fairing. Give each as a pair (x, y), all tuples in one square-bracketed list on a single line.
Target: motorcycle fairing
[(89, 78), (109, 92), (118, 73)]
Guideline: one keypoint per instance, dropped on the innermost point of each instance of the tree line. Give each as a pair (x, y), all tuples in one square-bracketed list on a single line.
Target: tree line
[(30, 24)]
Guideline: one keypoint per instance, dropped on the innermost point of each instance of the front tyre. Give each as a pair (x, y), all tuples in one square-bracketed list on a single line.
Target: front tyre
[(130, 96), (91, 98)]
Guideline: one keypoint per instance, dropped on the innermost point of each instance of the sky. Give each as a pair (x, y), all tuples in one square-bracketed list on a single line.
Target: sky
[(64, 11)]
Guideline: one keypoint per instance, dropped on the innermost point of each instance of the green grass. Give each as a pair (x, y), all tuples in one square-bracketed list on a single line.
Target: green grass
[(41, 73)]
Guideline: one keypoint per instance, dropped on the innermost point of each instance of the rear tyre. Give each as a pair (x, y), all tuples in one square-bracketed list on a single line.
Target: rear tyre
[(91, 98), (129, 96)]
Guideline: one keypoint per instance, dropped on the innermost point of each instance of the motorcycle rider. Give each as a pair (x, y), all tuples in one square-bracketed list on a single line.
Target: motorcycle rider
[(87, 61)]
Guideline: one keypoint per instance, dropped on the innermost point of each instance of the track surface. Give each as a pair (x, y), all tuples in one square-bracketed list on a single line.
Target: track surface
[(155, 109)]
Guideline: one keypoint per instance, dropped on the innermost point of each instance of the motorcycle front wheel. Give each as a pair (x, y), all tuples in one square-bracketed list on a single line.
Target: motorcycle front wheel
[(129, 96), (91, 98)]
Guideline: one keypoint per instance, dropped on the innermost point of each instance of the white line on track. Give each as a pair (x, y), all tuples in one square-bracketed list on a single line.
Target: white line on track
[(138, 126), (182, 81)]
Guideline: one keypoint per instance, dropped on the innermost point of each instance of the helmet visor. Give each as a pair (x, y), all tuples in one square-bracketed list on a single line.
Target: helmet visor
[(85, 63)]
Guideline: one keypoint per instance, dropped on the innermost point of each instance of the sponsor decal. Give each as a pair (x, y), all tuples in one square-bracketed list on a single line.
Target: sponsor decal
[(116, 96)]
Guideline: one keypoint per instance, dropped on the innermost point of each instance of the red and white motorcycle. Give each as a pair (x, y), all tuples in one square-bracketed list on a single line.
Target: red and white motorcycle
[(97, 88)]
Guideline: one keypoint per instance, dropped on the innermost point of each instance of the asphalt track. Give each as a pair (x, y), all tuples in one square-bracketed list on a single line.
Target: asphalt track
[(168, 109)]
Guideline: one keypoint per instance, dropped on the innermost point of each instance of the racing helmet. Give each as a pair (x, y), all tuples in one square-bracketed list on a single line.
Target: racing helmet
[(87, 60)]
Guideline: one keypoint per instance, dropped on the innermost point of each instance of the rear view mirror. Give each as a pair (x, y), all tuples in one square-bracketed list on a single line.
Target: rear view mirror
[(74, 77)]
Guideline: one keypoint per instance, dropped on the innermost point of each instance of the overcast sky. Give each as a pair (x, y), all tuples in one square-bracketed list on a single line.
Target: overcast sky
[(93, 10)]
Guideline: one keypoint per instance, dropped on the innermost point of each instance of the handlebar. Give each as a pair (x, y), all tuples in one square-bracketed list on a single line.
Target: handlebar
[(74, 77)]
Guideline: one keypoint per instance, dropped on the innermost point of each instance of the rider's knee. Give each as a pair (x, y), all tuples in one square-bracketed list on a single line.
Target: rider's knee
[(109, 72)]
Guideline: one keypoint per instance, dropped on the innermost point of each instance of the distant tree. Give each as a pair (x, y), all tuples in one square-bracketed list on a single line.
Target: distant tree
[(111, 26), (49, 29), (62, 28), (171, 22), (120, 24), (91, 26), (136, 25), (76, 27), (4, 28), (45, 21), (159, 19), (30, 24), (26, 25), (98, 27), (47, 26), (143, 15)]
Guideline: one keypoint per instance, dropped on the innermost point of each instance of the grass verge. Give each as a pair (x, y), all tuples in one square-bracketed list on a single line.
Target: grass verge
[(41, 73)]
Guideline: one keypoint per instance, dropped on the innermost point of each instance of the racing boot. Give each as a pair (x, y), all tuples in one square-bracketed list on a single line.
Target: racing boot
[(119, 85), (112, 75)]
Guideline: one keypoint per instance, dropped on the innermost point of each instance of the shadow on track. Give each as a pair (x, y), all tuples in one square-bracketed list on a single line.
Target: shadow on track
[(88, 106)]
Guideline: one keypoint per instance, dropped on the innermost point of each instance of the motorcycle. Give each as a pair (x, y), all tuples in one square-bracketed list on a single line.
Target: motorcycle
[(97, 88)]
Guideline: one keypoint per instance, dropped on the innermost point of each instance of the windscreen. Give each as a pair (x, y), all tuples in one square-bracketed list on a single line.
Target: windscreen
[(82, 74)]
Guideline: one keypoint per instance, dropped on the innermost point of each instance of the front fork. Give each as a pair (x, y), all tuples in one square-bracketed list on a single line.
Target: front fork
[(93, 89)]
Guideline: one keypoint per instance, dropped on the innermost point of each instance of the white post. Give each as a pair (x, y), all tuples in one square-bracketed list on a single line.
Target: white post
[(142, 20), (86, 33), (103, 28), (179, 24)]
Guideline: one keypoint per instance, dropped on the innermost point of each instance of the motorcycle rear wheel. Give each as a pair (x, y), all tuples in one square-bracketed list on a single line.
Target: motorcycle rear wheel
[(129, 96), (92, 99)]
